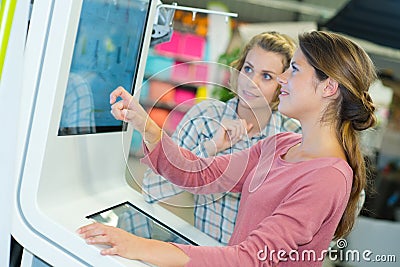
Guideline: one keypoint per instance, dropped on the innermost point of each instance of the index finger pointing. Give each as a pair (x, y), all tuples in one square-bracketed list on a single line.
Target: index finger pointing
[(119, 92)]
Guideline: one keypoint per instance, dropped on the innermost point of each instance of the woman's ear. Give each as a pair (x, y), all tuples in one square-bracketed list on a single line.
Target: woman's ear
[(331, 87)]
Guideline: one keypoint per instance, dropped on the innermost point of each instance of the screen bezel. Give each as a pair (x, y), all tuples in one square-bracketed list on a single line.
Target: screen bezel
[(73, 131), (147, 215)]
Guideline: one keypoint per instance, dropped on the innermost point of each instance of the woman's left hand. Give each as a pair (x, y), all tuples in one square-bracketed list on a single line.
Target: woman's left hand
[(230, 132)]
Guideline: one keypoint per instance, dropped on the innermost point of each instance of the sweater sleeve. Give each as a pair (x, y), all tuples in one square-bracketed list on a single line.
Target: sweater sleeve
[(188, 135), (315, 207), (201, 175)]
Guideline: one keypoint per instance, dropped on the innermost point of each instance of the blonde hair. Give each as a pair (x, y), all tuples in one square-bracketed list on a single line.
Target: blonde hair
[(269, 41), (335, 56)]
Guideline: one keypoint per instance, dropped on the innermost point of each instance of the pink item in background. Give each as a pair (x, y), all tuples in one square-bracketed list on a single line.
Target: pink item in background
[(183, 96), (201, 73), (183, 46), (181, 72), (161, 91), (172, 47), (193, 47), (173, 119), (191, 72)]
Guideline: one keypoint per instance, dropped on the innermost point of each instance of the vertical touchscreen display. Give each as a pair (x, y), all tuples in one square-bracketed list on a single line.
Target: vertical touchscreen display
[(107, 54)]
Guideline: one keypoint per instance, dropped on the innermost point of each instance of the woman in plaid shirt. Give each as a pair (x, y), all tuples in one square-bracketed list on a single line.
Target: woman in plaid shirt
[(262, 59)]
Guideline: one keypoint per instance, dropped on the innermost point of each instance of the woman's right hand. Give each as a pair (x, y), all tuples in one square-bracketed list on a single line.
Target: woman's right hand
[(129, 110), (229, 133)]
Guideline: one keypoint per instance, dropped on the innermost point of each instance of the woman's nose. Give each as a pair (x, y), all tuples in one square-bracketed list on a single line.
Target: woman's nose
[(256, 79), (281, 79)]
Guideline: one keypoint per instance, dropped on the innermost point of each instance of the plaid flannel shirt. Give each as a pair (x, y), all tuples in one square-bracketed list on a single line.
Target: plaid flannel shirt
[(78, 110)]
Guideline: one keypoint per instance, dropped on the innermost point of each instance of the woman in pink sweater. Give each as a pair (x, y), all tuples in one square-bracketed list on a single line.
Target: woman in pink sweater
[(298, 191)]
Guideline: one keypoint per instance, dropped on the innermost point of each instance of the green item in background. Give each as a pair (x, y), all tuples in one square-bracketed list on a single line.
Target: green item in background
[(221, 93), (7, 10)]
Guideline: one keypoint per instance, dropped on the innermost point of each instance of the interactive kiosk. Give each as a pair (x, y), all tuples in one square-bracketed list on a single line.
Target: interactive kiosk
[(74, 152)]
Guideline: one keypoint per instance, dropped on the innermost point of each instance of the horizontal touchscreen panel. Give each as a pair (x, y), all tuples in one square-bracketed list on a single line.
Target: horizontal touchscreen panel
[(136, 221)]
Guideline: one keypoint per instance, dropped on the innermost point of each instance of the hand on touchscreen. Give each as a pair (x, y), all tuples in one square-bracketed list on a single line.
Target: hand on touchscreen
[(129, 110), (132, 247), (121, 242)]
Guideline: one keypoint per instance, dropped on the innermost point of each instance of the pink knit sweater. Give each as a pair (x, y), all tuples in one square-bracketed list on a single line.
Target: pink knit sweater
[(288, 211)]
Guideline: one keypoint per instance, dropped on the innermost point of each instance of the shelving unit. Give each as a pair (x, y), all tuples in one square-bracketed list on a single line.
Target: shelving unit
[(175, 75), (174, 72)]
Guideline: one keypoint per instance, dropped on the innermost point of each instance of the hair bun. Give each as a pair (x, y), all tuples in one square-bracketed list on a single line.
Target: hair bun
[(368, 118), (360, 111), (364, 122)]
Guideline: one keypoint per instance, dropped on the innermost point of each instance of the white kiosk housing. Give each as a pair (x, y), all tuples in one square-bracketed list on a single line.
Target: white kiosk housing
[(73, 166)]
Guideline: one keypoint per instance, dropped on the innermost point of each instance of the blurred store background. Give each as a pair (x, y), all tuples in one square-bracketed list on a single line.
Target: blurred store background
[(178, 74)]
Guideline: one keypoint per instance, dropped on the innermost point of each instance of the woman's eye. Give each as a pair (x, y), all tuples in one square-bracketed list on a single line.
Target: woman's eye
[(247, 69), (294, 69), (267, 76)]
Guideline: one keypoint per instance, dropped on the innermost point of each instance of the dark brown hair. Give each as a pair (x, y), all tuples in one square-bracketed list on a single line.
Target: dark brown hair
[(339, 58)]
